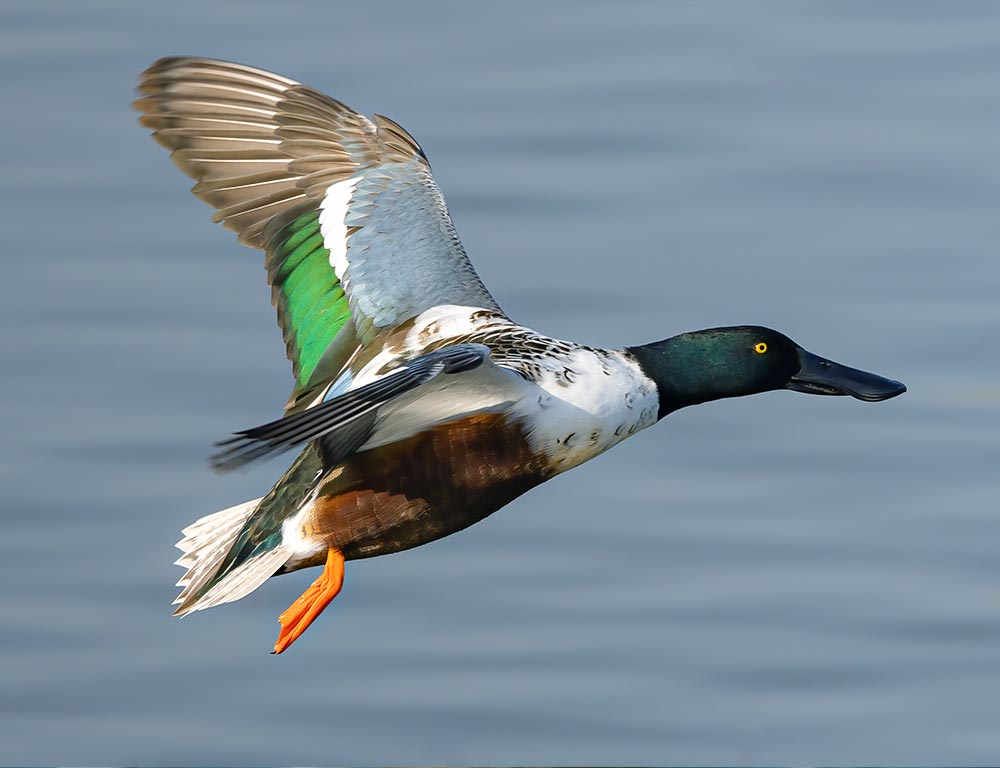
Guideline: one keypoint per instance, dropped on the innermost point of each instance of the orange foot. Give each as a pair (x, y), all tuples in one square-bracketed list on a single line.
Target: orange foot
[(300, 614)]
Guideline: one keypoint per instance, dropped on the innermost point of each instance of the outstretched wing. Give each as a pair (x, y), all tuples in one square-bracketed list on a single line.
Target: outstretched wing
[(345, 421), (356, 233)]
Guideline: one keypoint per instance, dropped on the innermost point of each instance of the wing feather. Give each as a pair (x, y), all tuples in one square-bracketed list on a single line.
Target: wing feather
[(265, 151), (345, 421)]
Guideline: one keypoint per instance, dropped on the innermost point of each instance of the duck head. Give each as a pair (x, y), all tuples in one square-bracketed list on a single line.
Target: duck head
[(742, 360)]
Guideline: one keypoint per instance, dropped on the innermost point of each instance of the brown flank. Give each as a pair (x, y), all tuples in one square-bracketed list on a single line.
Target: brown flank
[(424, 487)]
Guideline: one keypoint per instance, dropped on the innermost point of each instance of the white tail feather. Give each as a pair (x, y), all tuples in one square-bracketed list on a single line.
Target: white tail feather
[(244, 579), (205, 544)]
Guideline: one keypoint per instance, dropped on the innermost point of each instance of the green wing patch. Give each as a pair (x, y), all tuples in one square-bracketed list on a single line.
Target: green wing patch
[(311, 303)]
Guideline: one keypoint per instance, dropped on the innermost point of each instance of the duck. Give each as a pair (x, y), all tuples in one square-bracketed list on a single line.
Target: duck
[(418, 406)]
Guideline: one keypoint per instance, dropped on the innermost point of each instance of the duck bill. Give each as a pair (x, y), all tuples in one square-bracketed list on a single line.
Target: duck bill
[(818, 376)]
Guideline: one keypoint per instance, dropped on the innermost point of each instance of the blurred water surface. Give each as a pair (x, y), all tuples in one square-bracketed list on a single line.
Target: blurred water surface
[(778, 579)]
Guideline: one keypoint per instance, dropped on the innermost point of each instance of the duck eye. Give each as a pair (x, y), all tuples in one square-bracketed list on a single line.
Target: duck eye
[(761, 348)]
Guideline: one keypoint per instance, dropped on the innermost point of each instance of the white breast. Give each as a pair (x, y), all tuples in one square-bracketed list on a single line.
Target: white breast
[(594, 401)]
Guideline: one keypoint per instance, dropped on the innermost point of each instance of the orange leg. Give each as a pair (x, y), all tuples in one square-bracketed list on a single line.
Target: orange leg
[(300, 614)]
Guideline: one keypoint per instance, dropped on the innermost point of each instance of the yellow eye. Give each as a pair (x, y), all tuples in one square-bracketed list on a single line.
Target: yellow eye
[(761, 348)]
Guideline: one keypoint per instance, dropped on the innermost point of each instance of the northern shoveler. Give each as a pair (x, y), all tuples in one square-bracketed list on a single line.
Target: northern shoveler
[(421, 406)]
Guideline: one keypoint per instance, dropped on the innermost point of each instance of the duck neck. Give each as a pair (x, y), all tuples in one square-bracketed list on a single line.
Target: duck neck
[(687, 369)]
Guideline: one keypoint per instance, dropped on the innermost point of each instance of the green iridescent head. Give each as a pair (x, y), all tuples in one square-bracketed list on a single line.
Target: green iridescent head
[(742, 360)]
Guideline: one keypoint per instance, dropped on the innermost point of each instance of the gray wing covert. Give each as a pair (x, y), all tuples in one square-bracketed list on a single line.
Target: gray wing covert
[(403, 254)]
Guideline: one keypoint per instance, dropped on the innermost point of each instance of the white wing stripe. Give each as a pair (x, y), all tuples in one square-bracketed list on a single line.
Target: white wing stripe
[(333, 222)]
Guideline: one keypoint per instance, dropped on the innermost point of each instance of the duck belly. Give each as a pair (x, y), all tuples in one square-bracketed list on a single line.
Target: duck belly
[(424, 487)]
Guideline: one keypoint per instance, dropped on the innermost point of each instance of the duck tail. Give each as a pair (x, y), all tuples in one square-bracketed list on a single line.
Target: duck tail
[(205, 545)]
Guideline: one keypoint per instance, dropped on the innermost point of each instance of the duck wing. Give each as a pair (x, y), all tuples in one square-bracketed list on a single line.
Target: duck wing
[(356, 233), (347, 421)]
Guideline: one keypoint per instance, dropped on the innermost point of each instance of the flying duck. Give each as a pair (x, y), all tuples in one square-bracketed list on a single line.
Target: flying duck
[(419, 407)]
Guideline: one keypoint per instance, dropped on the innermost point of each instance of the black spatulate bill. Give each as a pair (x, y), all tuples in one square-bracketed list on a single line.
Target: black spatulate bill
[(819, 376)]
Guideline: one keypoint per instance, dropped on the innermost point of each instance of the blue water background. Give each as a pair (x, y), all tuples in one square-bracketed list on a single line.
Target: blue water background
[(778, 579)]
